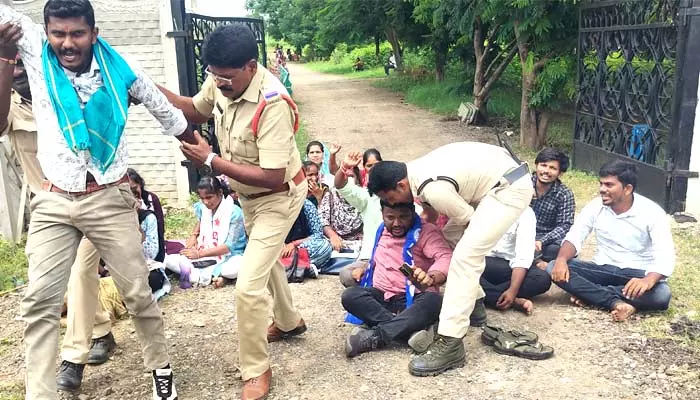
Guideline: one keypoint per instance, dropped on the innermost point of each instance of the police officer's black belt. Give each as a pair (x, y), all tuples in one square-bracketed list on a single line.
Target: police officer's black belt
[(438, 178), (514, 174)]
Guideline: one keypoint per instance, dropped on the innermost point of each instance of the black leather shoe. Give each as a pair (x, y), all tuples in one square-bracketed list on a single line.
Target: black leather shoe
[(70, 376), (101, 349)]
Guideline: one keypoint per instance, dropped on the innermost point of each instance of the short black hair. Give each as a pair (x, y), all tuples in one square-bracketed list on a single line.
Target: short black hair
[(398, 206), (552, 154), (371, 152), (385, 176), (307, 164), (314, 143), (624, 171), (69, 9), (230, 46)]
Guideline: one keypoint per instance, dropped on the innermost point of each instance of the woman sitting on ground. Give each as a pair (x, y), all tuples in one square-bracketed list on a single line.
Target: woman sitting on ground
[(218, 239), (342, 223), (317, 189), (369, 158), (328, 165), (307, 231), (149, 201)]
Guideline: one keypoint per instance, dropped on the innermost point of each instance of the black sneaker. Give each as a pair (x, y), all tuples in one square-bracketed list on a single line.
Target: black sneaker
[(163, 386), (361, 340), (443, 354), (101, 349), (70, 376)]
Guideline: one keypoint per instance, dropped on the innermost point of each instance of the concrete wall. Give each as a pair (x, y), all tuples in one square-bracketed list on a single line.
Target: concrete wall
[(137, 29)]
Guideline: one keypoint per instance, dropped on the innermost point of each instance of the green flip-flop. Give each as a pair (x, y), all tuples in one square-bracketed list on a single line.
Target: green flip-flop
[(491, 333), (507, 344)]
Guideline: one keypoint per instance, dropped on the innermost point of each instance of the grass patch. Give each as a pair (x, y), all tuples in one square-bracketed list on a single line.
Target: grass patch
[(345, 69), (180, 222), (13, 264), (11, 391)]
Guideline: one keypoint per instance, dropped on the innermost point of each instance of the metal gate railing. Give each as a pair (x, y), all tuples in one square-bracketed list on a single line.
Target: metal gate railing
[(637, 80)]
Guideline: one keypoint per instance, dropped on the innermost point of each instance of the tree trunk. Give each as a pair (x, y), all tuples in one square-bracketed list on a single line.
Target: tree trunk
[(533, 122), (440, 62), (480, 95), (393, 38), (376, 46)]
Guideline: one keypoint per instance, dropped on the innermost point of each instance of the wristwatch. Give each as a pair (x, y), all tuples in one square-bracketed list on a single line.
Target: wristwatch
[(207, 169)]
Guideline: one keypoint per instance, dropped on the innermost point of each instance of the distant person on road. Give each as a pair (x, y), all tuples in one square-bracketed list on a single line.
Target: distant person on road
[(634, 249), (358, 65), (390, 64)]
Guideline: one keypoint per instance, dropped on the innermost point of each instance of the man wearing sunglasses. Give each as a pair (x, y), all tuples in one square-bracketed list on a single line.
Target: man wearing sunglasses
[(255, 121)]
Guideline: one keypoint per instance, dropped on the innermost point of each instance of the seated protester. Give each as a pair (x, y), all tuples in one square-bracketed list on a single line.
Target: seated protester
[(369, 158), (386, 302), (307, 233), (325, 160), (358, 65), (219, 238), (369, 208), (342, 223), (390, 63), (317, 189), (153, 245), (553, 203), (508, 280), (634, 249), (149, 201)]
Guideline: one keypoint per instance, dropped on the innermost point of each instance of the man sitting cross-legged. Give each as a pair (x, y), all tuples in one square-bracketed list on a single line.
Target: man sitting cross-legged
[(634, 252), (386, 301), (508, 280)]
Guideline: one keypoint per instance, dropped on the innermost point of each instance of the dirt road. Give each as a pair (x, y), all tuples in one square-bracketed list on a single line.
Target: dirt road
[(594, 358)]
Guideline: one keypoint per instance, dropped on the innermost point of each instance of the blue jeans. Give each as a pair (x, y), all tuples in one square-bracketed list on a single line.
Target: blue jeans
[(601, 286)]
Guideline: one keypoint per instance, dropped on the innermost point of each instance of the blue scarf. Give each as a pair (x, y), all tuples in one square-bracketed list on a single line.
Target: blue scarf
[(97, 127), (411, 239)]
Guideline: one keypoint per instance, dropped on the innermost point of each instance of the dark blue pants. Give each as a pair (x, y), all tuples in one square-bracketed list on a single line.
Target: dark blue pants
[(601, 286)]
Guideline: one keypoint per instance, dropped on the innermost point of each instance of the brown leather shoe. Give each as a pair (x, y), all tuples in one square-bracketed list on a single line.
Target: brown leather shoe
[(257, 388), (274, 333)]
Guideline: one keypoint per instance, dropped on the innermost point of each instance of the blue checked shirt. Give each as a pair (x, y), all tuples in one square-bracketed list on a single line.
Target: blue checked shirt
[(554, 211)]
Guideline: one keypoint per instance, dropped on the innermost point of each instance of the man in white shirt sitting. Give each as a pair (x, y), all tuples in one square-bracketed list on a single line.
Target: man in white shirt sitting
[(508, 280), (634, 253)]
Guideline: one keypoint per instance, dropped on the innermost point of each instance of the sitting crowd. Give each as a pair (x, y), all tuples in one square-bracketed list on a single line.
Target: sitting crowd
[(392, 259)]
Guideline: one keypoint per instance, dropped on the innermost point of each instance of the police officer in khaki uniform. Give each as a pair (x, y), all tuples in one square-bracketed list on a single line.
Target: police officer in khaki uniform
[(483, 190), (255, 124), (87, 319)]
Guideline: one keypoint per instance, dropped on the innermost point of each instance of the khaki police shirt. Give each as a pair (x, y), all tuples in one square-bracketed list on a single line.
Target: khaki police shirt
[(20, 120), (476, 167), (274, 147)]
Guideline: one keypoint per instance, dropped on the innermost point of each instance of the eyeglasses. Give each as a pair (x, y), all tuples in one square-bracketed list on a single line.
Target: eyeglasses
[(218, 78)]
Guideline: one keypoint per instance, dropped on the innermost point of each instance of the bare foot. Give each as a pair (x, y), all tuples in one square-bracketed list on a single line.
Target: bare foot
[(219, 282), (541, 265), (577, 302), (524, 305), (621, 311)]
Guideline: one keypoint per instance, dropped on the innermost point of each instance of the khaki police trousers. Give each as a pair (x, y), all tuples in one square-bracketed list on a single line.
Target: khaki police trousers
[(492, 217), (268, 220), (24, 144), (87, 318), (58, 222)]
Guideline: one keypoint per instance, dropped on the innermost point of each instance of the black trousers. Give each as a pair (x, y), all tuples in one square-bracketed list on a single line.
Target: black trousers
[(391, 317), (496, 279)]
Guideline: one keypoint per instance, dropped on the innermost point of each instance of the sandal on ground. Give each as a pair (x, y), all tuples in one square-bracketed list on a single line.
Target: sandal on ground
[(507, 344), (491, 333)]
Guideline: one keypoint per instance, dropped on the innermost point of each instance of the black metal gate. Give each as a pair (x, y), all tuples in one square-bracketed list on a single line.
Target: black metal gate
[(637, 91), (190, 31)]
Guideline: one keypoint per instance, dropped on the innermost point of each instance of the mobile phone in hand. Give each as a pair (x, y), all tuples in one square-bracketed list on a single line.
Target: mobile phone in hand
[(406, 270)]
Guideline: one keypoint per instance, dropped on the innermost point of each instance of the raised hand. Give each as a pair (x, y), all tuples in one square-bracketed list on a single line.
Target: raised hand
[(335, 148), (352, 160), (9, 35)]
